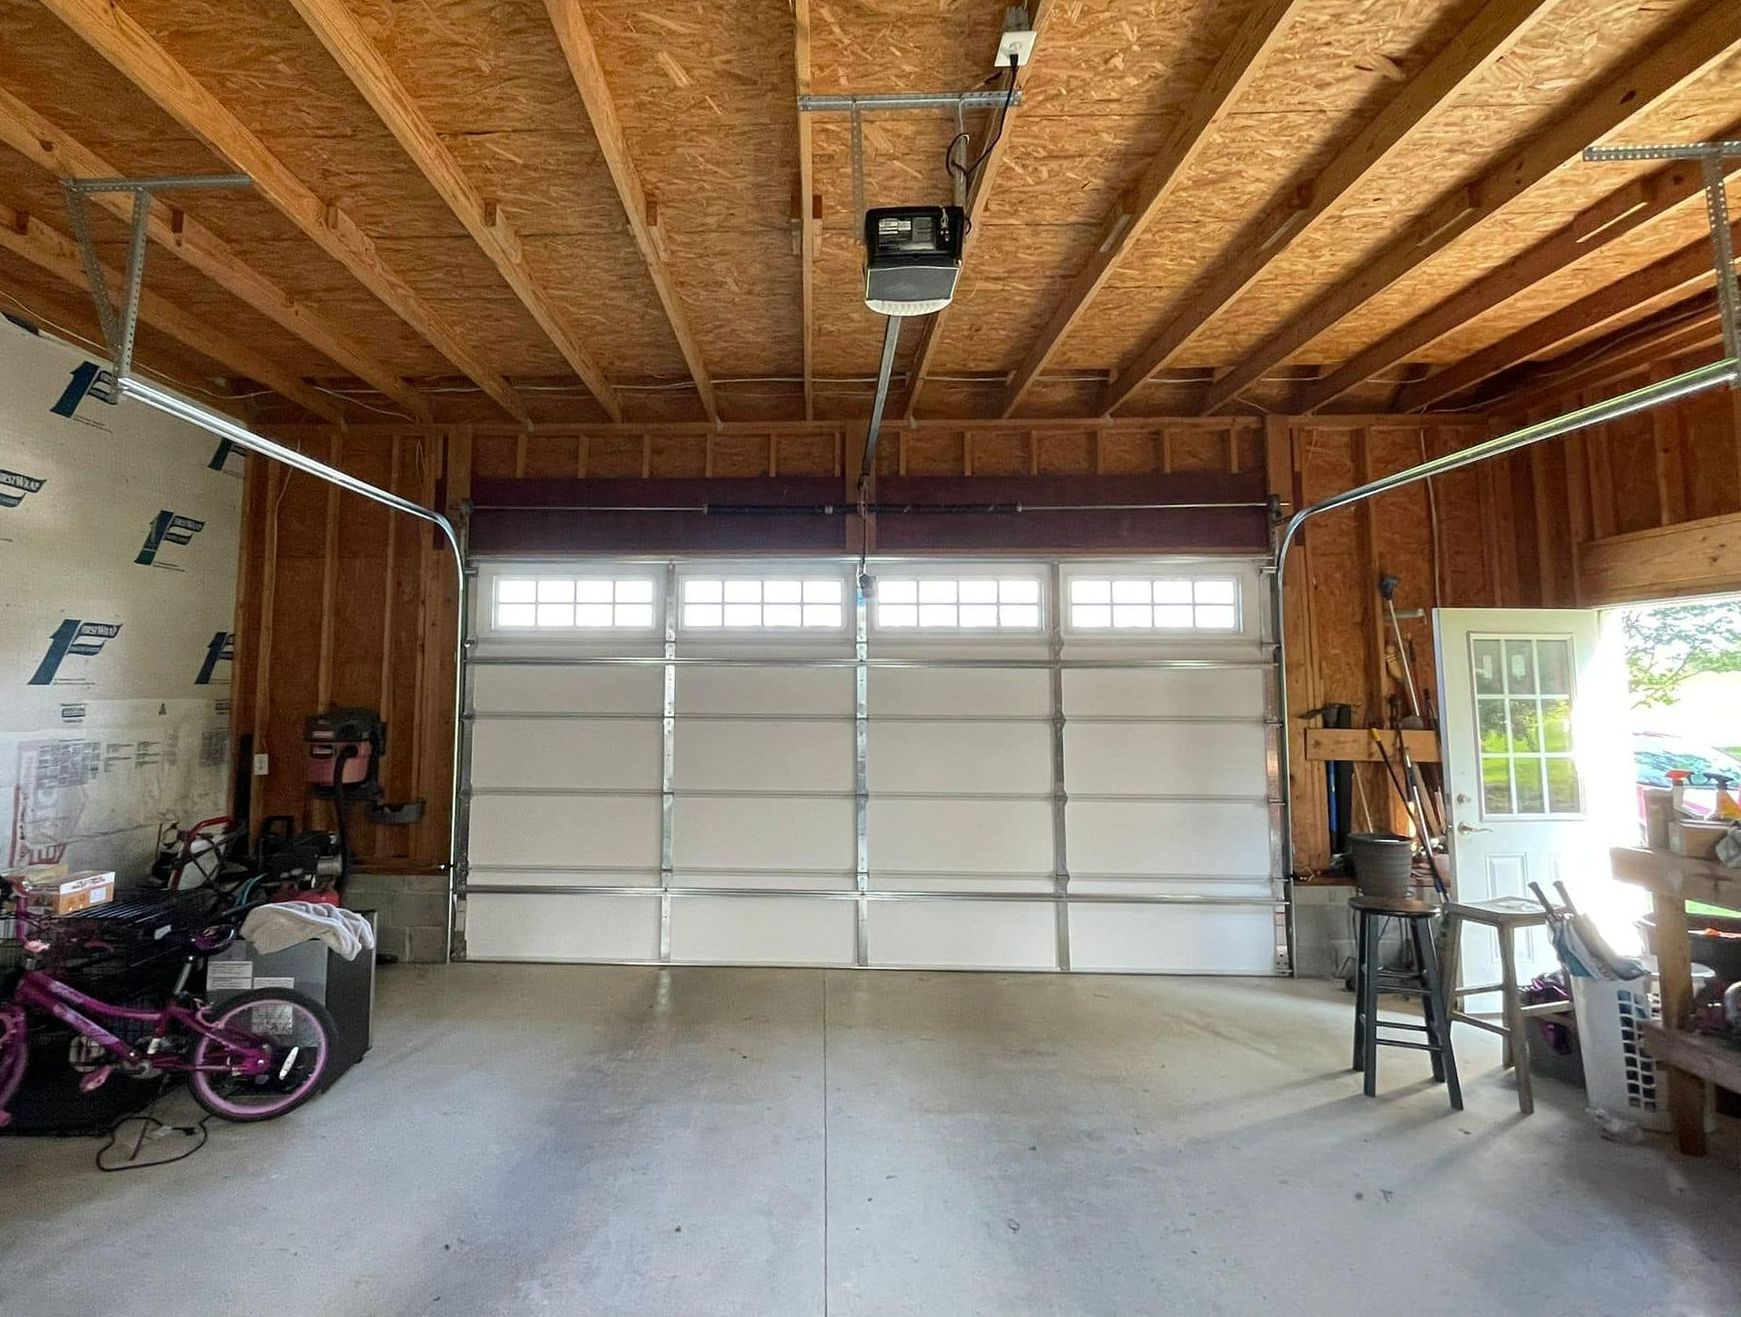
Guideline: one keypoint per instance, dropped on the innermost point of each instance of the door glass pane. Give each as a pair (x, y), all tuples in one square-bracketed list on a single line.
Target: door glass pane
[(1555, 666), (1563, 787), (1527, 774), (1486, 660), (1556, 724), (1490, 721), (1520, 667), (1495, 784), (1525, 727)]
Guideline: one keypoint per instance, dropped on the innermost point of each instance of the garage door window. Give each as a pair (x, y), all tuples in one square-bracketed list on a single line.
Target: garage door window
[(937, 603), (736, 603), (1146, 603), (572, 603)]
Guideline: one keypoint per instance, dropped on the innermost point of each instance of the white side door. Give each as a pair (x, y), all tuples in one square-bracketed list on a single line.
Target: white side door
[(1532, 709)]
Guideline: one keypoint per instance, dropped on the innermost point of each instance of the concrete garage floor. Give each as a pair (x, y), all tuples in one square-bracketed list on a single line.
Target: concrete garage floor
[(590, 1141)]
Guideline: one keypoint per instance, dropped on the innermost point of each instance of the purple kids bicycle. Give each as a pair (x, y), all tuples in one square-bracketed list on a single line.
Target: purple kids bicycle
[(253, 1057)]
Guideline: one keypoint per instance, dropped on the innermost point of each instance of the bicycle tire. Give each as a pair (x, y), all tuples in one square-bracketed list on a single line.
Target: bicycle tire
[(204, 1084), (14, 1055)]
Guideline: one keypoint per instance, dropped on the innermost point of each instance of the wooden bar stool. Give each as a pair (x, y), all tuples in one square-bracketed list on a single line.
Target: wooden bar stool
[(1371, 978), (1505, 915)]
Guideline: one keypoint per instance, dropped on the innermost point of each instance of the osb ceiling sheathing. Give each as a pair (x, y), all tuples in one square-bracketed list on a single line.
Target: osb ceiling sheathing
[(705, 99)]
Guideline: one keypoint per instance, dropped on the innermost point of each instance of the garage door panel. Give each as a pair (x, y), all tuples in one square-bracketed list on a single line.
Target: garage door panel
[(594, 831), (1162, 837), (744, 755), (566, 752), (965, 836), (769, 690), (1035, 884), (561, 928), (991, 757), (1218, 888), (1164, 692), (756, 930), (481, 875), (603, 689), (966, 692), (787, 833), (946, 934), (819, 880), (1172, 939), (1182, 759)]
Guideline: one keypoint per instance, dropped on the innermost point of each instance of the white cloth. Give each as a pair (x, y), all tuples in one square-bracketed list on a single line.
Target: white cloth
[(285, 923)]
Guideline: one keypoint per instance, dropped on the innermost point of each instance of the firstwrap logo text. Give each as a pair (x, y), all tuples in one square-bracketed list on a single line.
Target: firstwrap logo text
[(15, 487), (167, 528), (76, 638)]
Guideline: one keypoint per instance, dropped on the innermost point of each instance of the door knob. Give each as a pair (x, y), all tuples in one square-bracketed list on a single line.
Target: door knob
[(1464, 829)]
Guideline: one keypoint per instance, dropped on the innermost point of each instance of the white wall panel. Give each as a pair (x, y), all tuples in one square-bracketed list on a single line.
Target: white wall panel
[(1172, 939), (1165, 759), (997, 758), (561, 927), (498, 688), (1164, 692), (711, 832), (566, 752), (595, 831), (944, 934), (741, 755), (1162, 837), (760, 930), (966, 836)]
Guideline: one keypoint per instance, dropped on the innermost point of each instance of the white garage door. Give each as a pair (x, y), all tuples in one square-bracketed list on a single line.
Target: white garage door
[(980, 765)]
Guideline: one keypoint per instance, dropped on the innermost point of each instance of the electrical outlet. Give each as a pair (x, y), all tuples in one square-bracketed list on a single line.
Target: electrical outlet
[(1017, 41), (262, 765)]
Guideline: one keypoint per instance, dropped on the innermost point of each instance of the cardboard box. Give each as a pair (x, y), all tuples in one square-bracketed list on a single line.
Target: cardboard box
[(45, 897)]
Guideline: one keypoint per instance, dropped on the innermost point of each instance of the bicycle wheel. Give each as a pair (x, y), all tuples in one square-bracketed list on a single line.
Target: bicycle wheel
[(297, 1037), (14, 1053)]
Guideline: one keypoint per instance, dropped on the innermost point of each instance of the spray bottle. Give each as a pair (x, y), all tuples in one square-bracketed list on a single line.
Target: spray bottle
[(1677, 783), (1727, 808)]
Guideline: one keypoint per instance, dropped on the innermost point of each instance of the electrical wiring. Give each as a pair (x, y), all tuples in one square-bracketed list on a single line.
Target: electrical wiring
[(967, 172)]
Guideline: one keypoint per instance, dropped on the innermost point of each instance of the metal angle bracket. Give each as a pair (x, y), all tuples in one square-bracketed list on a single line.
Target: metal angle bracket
[(1710, 156), (120, 325)]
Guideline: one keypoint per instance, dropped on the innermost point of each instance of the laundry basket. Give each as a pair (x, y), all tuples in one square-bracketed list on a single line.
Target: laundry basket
[(1619, 1075)]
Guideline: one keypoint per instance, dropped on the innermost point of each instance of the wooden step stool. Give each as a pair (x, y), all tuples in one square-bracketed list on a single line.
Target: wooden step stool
[(1505, 915)]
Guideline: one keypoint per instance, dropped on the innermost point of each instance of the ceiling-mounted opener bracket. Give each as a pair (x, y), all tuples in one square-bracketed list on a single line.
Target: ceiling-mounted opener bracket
[(1710, 156), (857, 106), (120, 324)]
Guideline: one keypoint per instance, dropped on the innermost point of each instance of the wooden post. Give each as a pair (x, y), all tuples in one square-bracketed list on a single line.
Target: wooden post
[(1686, 1092)]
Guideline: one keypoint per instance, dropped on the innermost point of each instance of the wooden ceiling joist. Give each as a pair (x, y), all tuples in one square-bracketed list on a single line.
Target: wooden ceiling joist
[(1233, 72), (49, 249), (1484, 39), (34, 137), (142, 60), (976, 203), (339, 31), (1621, 212), (575, 38), (1689, 50), (1630, 351), (1690, 266), (808, 203)]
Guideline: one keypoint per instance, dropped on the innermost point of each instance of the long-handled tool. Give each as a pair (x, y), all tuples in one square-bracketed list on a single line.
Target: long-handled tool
[(1387, 591)]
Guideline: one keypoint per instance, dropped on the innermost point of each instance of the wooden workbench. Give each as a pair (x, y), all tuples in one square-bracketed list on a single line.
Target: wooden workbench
[(1692, 1060)]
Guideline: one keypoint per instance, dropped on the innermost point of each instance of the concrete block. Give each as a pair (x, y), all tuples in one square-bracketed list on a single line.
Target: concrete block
[(426, 945)]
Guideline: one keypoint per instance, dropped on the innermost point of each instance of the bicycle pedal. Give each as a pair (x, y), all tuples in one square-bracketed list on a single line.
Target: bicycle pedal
[(96, 1079)]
